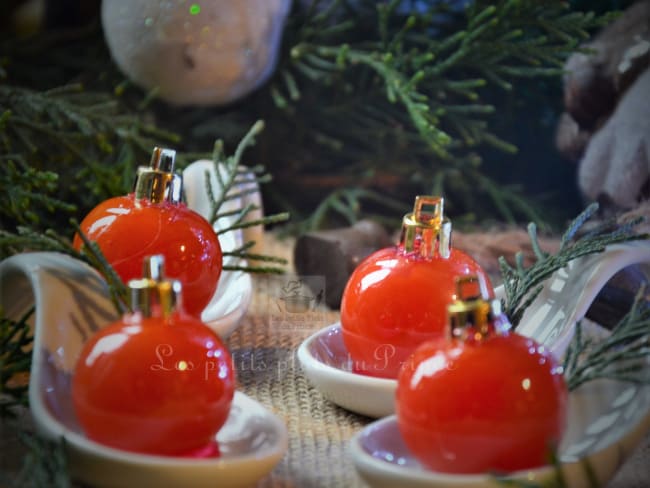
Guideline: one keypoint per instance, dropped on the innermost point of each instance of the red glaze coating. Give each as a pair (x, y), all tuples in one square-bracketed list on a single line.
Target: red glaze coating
[(127, 231), (478, 406), (154, 385), (394, 301)]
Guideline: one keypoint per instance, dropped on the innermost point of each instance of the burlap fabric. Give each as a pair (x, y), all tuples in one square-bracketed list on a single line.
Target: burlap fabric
[(318, 430)]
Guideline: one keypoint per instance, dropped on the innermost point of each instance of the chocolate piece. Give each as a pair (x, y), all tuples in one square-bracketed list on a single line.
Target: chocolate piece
[(335, 253)]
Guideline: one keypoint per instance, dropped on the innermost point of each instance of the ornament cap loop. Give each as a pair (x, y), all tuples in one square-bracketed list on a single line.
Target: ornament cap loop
[(426, 229), (154, 294), (158, 182), (163, 159), (473, 309)]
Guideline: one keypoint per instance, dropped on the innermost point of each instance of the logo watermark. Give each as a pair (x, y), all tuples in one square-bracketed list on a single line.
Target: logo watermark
[(294, 302)]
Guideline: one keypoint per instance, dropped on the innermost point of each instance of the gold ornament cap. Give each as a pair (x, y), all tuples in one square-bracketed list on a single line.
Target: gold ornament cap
[(426, 229), (473, 309), (154, 294), (158, 182)]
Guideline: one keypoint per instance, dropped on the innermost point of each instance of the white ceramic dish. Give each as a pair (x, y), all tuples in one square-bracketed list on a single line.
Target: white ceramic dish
[(328, 366), (606, 420), (550, 320), (71, 303)]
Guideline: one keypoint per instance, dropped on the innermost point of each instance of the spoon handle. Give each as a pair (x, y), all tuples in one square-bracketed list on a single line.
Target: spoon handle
[(569, 292)]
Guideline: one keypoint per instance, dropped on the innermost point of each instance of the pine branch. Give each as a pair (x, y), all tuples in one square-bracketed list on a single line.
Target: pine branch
[(506, 199), (347, 202), (77, 146), (15, 359), (230, 189), (621, 356), (28, 192), (231, 166), (522, 285), (94, 256), (45, 463), (425, 71), (510, 39), (269, 219), (256, 269)]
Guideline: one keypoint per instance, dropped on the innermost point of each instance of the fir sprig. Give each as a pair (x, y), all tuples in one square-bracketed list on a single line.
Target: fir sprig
[(93, 255), (66, 127), (347, 203), (417, 64), (523, 285), (236, 182), (26, 189), (45, 463), (620, 356), (15, 360), (418, 77)]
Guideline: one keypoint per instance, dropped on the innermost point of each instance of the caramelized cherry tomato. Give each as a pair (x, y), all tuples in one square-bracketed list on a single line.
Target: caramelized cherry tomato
[(127, 231), (394, 301), (154, 385), (471, 407)]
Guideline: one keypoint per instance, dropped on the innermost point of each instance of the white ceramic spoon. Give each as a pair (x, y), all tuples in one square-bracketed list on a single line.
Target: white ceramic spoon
[(550, 319), (71, 303), (606, 420), (568, 294)]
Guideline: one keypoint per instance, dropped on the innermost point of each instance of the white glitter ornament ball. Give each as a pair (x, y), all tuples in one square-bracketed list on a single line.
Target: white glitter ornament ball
[(208, 52)]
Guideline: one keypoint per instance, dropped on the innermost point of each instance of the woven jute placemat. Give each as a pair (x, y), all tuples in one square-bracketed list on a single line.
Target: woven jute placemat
[(319, 431)]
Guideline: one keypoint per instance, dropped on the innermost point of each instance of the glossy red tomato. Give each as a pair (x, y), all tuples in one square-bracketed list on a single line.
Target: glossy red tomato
[(471, 407), (394, 301), (126, 233), (154, 385)]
